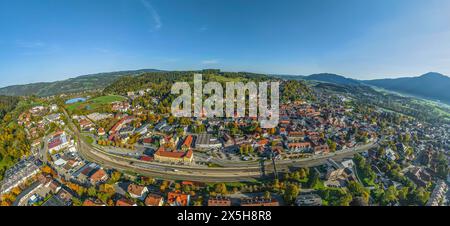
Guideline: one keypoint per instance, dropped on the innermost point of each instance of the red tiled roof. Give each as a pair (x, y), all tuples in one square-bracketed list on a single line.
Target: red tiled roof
[(98, 176), (135, 189), (146, 158), (173, 154), (124, 202), (188, 141), (54, 143), (153, 200), (177, 198), (300, 145), (89, 202)]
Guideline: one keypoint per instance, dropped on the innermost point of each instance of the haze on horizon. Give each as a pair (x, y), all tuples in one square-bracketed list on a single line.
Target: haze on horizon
[(47, 40)]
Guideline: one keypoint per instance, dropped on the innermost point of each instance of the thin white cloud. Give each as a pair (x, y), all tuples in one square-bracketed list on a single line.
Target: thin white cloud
[(209, 62), (155, 15), (30, 44)]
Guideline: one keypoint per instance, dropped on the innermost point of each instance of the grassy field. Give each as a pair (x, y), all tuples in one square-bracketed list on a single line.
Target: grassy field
[(95, 103)]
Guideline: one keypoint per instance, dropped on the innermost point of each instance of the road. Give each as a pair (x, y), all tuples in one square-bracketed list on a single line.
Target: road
[(43, 151), (196, 173)]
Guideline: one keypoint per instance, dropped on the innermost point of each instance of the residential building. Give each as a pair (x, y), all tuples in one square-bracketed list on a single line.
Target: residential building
[(178, 199), (219, 201), (164, 155), (154, 200), (137, 191)]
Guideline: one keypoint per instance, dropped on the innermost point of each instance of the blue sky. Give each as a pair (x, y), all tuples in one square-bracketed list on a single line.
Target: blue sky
[(47, 40)]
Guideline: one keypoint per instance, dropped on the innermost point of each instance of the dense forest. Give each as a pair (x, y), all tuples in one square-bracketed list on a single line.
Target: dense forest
[(7, 104), (164, 80), (295, 90), (13, 139), (73, 85)]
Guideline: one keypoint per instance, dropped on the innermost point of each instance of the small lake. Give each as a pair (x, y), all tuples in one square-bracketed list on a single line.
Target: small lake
[(75, 100)]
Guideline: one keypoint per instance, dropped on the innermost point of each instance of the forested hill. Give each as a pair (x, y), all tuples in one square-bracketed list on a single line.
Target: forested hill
[(7, 104), (163, 81), (72, 85), (14, 143)]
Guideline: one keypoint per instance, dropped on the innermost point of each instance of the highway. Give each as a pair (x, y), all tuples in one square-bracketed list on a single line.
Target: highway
[(244, 172)]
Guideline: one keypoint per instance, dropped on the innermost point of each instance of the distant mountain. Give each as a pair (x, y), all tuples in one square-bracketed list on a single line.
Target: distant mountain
[(322, 77), (431, 86), (332, 78), (72, 85)]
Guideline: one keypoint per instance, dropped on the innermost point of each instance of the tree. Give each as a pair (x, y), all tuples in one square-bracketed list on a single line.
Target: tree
[(92, 192), (302, 173), (46, 169), (291, 192), (221, 188), (267, 195), (276, 185), (357, 190), (313, 179), (389, 196), (115, 176)]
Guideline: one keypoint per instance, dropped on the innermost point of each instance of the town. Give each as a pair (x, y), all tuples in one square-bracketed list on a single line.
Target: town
[(123, 147)]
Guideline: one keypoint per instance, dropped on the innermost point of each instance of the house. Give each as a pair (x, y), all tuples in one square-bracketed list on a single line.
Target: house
[(164, 155), (178, 199), (337, 178), (419, 176), (120, 124), (120, 106), (390, 154), (90, 202), (321, 149), (99, 176), (101, 132), (18, 174), (54, 107), (257, 201), (137, 191), (85, 124), (64, 196), (154, 200), (299, 146), (348, 163), (438, 194), (187, 144), (160, 125), (142, 130), (219, 201), (53, 186), (125, 202), (58, 141)]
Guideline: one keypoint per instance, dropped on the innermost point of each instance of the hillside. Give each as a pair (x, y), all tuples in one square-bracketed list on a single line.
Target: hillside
[(431, 86), (162, 81), (7, 104), (322, 77), (72, 85), (332, 78)]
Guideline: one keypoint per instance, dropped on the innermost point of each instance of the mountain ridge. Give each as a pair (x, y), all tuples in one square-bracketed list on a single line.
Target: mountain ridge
[(415, 85), (431, 85), (71, 85)]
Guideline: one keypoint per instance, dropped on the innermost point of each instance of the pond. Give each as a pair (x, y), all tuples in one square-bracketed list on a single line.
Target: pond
[(75, 100)]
